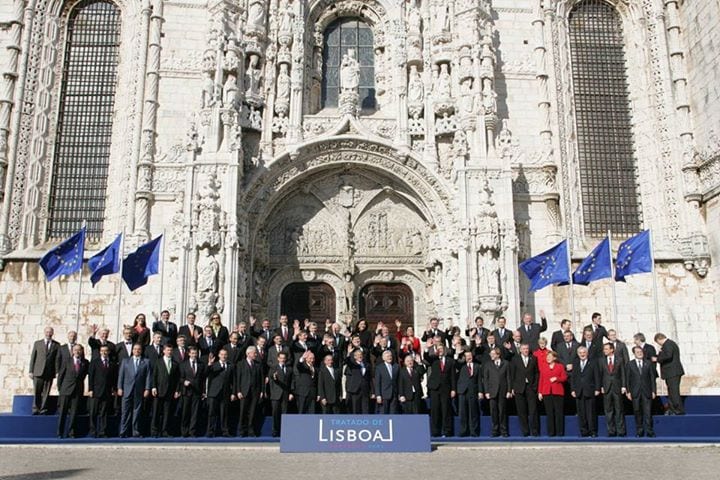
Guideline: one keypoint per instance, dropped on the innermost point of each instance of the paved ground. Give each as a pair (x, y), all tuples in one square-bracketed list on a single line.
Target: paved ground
[(656, 462)]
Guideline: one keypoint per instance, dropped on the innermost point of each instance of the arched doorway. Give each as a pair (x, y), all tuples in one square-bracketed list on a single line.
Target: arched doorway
[(386, 302), (312, 300)]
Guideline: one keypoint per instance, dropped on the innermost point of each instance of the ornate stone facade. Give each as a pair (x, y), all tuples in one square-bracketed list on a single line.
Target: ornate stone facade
[(466, 164)]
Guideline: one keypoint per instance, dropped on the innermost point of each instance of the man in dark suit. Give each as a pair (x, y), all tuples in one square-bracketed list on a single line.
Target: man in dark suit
[(123, 349), (330, 348), (502, 334), (433, 331), (671, 370), (244, 337), (274, 351), (599, 331), (42, 369), (134, 383), (482, 351), (386, 377), (190, 331), (284, 330), (71, 387), (154, 351), (280, 379), (304, 383), (180, 353), (584, 387), (99, 338), (65, 352), (531, 331), (263, 330), (330, 386), (192, 380), (558, 336), (299, 346), (358, 384), (524, 375), (621, 349), (612, 386), (335, 331), (641, 391), (165, 390), (470, 391), (250, 388), (567, 350), (102, 380), (649, 352), (477, 334), (166, 328), (220, 388), (442, 385), (235, 352), (410, 391), (511, 348), (593, 345), (208, 345), (496, 384)]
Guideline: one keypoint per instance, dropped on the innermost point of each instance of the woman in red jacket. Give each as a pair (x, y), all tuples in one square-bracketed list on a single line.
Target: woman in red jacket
[(551, 391)]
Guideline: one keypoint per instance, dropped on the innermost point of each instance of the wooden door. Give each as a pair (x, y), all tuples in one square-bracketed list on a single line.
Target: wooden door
[(315, 301), (387, 302)]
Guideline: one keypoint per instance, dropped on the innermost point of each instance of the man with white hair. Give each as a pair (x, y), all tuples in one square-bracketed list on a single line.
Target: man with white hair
[(249, 386), (42, 369)]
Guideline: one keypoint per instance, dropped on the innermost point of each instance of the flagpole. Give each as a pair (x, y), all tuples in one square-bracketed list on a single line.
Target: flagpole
[(120, 283), (612, 280), (570, 271), (80, 272), (162, 270), (655, 285)]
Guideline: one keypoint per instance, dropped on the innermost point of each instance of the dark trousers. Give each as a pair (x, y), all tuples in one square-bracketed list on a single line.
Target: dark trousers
[(306, 403), (614, 414), (189, 418), (162, 408), (218, 409), (411, 407), (642, 408), (441, 419), (469, 415), (498, 414), (587, 416), (331, 408), (526, 404), (248, 420), (68, 404), (98, 415), (555, 415), (132, 406), (279, 408), (42, 391), (675, 403), (389, 406), (359, 403)]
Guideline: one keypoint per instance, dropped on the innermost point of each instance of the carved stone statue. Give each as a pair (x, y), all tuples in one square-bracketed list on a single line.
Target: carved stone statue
[(286, 18), (349, 72), (349, 293), (253, 77), (206, 206), (416, 90), (230, 90), (467, 97), (207, 272), (443, 83), (414, 19), (208, 96), (282, 100), (256, 14)]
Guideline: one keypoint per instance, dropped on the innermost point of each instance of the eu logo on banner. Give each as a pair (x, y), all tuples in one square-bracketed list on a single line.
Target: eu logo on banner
[(355, 433)]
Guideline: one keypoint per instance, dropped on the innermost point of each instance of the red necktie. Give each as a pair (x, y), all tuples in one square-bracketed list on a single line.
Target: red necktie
[(611, 367), (442, 365), (470, 369), (77, 366)]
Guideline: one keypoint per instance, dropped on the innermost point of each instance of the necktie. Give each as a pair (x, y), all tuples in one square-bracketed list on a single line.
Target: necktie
[(284, 330), (611, 367), (582, 365), (470, 369), (442, 364), (77, 365), (168, 364), (223, 366), (497, 363), (639, 364), (389, 369), (157, 349), (527, 328), (525, 360), (283, 369), (567, 345), (278, 348), (502, 332), (362, 369), (105, 365), (47, 346), (194, 368), (136, 364), (209, 342), (182, 354), (332, 373)]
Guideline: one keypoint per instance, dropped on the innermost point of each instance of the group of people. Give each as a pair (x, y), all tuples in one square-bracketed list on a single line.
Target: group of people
[(231, 377)]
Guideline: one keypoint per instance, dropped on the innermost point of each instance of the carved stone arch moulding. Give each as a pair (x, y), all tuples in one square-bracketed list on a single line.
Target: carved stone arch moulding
[(323, 12), (34, 147), (284, 277)]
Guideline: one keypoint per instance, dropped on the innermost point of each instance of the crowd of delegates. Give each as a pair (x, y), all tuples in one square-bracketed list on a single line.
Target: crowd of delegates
[(173, 374)]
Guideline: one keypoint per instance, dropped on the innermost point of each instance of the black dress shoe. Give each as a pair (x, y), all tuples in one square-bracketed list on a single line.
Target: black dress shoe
[(505, 435), (165, 435), (651, 435)]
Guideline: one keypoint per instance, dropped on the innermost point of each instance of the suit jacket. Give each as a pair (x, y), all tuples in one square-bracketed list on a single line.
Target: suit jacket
[(641, 382), (496, 379), (223, 336), (439, 378), (621, 351), (386, 382), (260, 332), (595, 349), (356, 382), (166, 383), (524, 378), (43, 360), (481, 354), (304, 381), (70, 381), (330, 388), (151, 353), (532, 336), (431, 334), (121, 353), (669, 360), (95, 345), (169, 332), (336, 355), (102, 380), (188, 333), (221, 383), (129, 379), (557, 340), (650, 352), (298, 350), (63, 354), (566, 355), (288, 338), (409, 386), (279, 382), (598, 333), (272, 355), (483, 332), (180, 358), (467, 384), (196, 379), (586, 382), (236, 354), (249, 378), (206, 348), (505, 337), (615, 380)]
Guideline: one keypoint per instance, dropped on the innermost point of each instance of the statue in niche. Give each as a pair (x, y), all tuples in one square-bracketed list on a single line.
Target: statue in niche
[(489, 99), (207, 272), (253, 76), (443, 82), (230, 90), (488, 272), (286, 18), (467, 97), (349, 72), (256, 14), (349, 292), (282, 102), (442, 17), (208, 96), (414, 19), (416, 91)]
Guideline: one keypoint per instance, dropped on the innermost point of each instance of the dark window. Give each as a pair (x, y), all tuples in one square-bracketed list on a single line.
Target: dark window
[(85, 118), (608, 174), (340, 36)]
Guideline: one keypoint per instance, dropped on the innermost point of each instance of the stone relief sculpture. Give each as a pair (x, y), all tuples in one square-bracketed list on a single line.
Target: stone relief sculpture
[(282, 98), (256, 14), (349, 72), (253, 77), (416, 93)]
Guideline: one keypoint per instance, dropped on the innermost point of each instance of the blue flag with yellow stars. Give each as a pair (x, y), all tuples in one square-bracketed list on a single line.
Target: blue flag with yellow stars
[(634, 256), (596, 266), (105, 262), (66, 258), (142, 263), (548, 268)]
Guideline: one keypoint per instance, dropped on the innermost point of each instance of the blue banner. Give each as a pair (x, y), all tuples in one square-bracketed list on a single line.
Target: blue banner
[(355, 433)]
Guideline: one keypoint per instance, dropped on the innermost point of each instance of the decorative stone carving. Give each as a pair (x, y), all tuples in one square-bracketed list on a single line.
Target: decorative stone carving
[(282, 98), (416, 93), (253, 82)]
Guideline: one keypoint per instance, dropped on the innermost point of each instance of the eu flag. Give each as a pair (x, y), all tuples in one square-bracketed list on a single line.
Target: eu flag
[(66, 258), (142, 263), (548, 268), (596, 266), (105, 262), (634, 256)]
